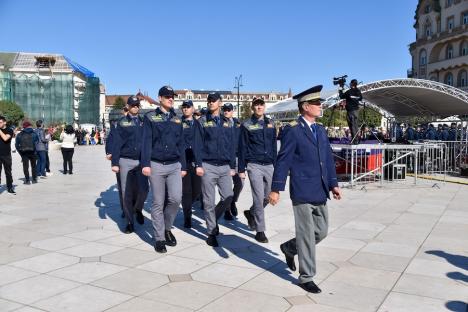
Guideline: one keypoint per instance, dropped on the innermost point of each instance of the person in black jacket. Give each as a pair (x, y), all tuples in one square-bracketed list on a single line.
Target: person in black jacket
[(257, 155), (25, 144), (352, 96), (219, 162), (163, 161), (191, 183), (237, 181), (126, 152), (6, 134)]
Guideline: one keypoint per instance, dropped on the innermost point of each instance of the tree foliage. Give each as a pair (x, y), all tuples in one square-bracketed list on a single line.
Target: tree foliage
[(119, 103), (12, 112), (246, 112)]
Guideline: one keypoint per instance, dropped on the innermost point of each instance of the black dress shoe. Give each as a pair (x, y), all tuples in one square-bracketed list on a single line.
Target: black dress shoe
[(11, 191), (289, 258), (34, 181), (27, 182), (65, 172), (212, 241), (129, 229), (311, 287), (160, 246), (250, 220), (234, 211), (139, 217), (188, 223), (70, 172), (261, 238), (228, 216), (170, 239)]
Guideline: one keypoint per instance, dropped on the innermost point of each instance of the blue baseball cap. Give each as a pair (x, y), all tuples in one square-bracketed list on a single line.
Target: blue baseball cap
[(213, 97), (133, 101), (228, 106), (187, 103), (166, 91)]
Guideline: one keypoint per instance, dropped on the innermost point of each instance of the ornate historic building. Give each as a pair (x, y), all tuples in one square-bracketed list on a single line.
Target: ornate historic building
[(440, 52)]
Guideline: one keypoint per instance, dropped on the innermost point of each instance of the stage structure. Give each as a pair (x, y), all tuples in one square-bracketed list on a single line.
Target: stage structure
[(382, 164)]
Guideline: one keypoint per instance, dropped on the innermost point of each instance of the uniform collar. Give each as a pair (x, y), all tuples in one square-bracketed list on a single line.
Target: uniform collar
[(256, 120), (171, 112)]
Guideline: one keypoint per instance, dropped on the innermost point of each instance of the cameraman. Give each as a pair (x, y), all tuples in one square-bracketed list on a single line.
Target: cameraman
[(352, 96)]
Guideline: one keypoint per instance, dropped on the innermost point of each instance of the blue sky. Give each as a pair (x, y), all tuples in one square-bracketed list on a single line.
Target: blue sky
[(275, 45)]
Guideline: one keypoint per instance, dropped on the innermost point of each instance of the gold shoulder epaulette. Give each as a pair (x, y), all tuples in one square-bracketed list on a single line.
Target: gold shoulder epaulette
[(293, 123)]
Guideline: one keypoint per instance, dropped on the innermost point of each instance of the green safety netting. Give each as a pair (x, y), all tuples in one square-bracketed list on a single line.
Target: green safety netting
[(5, 86), (51, 98)]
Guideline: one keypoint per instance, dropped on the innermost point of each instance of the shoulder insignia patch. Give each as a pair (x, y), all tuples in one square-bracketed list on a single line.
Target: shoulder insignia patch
[(126, 123), (226, 125), (270, 126), (293, 123)]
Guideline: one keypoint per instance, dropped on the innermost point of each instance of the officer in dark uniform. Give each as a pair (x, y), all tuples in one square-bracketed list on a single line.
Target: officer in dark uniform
[(257, 155), (191, 183), (410, 133), (163, 161), (237, 181), (126, 152), (219, 162), (108, 150), (306, 155)]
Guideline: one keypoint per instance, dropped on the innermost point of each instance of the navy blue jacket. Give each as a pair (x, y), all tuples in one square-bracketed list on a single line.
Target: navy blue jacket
[(411, 134), (308, 160), (126, 139), (431, 134), (110, 139), (452, 134), (218, 141), (192, 141), (18, 138), (163, 139), (257, 142)]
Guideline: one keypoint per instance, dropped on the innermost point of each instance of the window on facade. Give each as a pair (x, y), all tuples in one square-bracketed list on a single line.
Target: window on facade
[(241, 97), (465, 18), (428, 29), (463, 79), (427, 8), (464, 48), (450, 23), (449, 3), (449, 79), (449, 51), (189, 97), (228, 97), (199, 97), (422, 58), (281, 98)]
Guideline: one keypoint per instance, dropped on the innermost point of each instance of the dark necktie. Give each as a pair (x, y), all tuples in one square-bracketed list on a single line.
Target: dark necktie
[(216, 120), (313, 127)]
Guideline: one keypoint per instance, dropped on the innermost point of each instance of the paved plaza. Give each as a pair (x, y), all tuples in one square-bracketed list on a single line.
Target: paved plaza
[(62, 249)]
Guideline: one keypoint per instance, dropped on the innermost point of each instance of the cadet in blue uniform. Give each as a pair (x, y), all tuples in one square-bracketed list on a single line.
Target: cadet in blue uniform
[(108, 150), (237, 181), (191, 183), (306, 155), (219, 161), (126, 152), (163, 161), (257, 155)]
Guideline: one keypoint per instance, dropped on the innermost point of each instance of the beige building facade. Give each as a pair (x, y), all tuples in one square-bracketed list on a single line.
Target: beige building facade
[(440, 52)]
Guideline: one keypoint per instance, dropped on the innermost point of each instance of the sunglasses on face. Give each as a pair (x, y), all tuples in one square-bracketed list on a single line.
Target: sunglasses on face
[(227, 110), (168, 97)]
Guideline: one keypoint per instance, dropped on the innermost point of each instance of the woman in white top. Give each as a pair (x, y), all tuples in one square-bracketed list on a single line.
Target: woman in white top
[(68, 147)]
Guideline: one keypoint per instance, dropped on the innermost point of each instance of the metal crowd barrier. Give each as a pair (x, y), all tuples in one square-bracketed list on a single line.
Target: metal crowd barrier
[(391, 164)]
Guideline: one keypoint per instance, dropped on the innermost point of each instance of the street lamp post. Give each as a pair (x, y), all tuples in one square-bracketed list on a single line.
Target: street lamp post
[(237, 85)]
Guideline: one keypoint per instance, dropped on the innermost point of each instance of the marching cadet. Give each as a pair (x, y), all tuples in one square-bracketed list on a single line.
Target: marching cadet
[(108, 150), (237, 181), (163, 161), (257, 155), (191, 183), (218, 167), (126, 152), (306, 155)]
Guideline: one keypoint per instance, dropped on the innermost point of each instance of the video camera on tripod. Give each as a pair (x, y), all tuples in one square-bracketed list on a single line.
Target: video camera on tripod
[(340, 80)]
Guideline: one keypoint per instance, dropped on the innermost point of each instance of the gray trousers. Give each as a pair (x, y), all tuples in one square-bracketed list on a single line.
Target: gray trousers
[(260, 182), (165, 177), (134, 187), (191, 189), (311, 227), (216, 176)]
